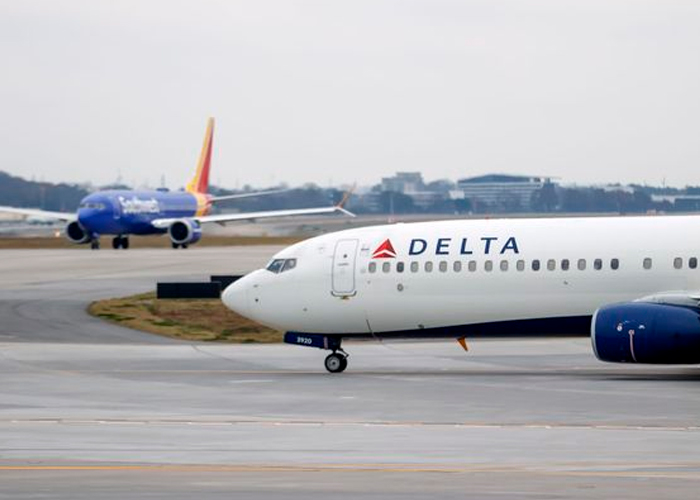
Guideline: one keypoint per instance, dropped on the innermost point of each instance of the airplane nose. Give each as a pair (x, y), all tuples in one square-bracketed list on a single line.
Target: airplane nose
[(235, 297), (86, 217)]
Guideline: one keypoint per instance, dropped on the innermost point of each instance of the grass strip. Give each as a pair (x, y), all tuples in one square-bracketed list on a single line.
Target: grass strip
[(196, 320)]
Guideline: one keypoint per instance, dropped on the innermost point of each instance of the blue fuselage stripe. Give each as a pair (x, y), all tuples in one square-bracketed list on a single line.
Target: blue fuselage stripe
[(569, 326)]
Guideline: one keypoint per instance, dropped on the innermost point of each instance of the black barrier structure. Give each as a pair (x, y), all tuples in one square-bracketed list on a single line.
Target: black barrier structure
[(189, 290), (225, 279)]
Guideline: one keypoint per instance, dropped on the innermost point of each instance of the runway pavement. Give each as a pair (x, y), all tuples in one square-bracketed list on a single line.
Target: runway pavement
[(91, 410)]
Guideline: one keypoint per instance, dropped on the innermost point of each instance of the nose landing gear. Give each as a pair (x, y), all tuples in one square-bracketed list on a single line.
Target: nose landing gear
[(336, 362)]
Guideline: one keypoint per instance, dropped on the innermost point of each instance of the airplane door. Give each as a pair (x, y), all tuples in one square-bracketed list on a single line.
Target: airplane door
[(343, 280)]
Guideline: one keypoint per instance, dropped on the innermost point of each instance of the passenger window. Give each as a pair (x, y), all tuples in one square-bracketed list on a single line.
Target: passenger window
[(647, 263), (399, 267), (488, 265), (535, 265), (457, 266), (414, 267), (614, 264), (472, 266), (275, 266), (693, 263), (504, 265), (551, 265), (598, 264), (289, 264), (372, 268), (565, 264), (581, 264), (429, 267), (677, 262), (386, 267), (442, 266), (520, 265)]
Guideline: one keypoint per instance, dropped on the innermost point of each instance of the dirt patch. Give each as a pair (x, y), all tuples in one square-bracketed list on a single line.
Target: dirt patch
[(199, 320)]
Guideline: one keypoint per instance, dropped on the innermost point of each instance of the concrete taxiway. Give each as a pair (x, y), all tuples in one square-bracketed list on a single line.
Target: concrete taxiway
[(92, 410)]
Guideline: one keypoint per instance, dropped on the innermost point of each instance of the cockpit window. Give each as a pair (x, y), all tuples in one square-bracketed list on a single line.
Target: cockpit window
[(281, 265), (289, 264), (275, 266), (93, 205)]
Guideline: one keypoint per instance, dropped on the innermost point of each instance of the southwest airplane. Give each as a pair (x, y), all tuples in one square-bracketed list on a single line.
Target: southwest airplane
[(179, 214), (632, 283)]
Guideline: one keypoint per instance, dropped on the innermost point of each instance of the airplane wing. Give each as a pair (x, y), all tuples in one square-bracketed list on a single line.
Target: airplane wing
[(246, 195), (35, 212), (224, 218)]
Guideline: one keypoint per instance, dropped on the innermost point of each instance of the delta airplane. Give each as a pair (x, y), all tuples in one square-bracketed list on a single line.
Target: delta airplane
[(179, 214), (632, 283)]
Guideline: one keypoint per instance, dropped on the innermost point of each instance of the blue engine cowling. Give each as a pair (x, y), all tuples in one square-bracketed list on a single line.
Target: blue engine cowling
[(77, 233), (185, 232), (646, 332)]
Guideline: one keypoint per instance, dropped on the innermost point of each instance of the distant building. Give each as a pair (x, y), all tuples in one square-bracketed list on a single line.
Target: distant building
[(499, 192), (680, 202), (404, 183)]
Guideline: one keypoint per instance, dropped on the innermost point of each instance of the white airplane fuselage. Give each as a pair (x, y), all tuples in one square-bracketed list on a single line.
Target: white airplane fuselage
[(441, 278)]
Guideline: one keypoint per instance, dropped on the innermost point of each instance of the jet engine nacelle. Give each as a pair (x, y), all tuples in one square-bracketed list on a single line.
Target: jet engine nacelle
[(185, 232), (76, 233), (646, 332)]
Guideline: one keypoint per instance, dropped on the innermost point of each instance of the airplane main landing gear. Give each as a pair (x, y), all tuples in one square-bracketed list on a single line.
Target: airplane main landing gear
[(336, 362), (120, 242), (95, 244)]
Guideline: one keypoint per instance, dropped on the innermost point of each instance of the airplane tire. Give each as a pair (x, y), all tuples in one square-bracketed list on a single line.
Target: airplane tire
[(184, 245), (125, 242), (116, 242), (176, 246), (336, 363), (95, 244)]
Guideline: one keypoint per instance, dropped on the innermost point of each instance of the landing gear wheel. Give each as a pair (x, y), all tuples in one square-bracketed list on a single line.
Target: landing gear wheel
[(176, 246), (184, 245), (336, 362), (125, 242), (95, 244), (117, 242)]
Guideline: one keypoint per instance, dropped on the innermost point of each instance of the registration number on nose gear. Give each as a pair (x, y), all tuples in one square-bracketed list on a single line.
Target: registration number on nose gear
[(312, 340)]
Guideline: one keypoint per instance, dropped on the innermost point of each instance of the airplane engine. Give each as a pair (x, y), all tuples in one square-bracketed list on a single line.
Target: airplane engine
[(76, 233), (645, 332), (185, 232)]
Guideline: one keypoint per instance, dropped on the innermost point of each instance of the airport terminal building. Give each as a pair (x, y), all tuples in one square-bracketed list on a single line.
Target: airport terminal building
[(512, 193)]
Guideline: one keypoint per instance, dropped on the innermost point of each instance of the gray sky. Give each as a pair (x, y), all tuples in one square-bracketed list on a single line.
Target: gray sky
[(329, 91)]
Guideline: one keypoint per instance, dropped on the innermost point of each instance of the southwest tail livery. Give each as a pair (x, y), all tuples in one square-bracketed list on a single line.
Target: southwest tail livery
[(199, 184), (180, 215), (631, 283)]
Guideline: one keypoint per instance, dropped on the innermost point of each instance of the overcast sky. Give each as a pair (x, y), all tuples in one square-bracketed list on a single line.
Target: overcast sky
[(341, 91)]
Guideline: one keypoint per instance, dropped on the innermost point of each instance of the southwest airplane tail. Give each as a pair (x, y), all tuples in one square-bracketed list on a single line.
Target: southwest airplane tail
[(199, 184)]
